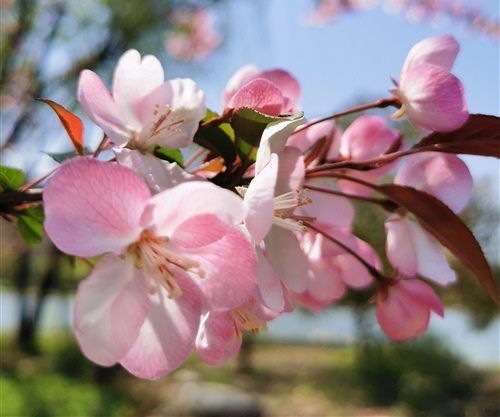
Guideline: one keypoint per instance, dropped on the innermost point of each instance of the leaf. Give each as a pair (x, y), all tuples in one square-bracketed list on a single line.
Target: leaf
[(71, 123), (446, 227), (248, 125), (170, 155), (30, 224), (480, 135), (63, 156), (10, 178)]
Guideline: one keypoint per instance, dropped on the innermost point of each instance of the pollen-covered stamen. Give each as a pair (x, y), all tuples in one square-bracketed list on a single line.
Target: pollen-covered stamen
[(159, 259), (284, 205), (246, 320), (161, 122)]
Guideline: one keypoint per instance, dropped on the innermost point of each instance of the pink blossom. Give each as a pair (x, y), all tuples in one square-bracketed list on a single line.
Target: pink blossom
[(368, 137), (410, 248), (193, 36), (332, 268), (167, 257), (221, 333), (404, 308), (432, 97), (271, 92), (143, 110)]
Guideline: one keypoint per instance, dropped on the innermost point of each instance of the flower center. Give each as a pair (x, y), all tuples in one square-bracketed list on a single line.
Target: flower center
[(160, 259), (284, 205), (245, 320)]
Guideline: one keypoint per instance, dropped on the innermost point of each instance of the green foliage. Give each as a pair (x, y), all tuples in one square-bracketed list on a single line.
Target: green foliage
[(217, 139), (10, 178), (63, 156), (170, 155), (30, 225), (422, 375)]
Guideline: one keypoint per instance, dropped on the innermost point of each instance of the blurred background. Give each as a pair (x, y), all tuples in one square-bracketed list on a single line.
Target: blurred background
[(333, 363)]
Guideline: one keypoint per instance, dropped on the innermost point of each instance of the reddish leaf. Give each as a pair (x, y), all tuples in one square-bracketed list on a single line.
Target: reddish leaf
[(480, 135), (71, 123), (446, 227)]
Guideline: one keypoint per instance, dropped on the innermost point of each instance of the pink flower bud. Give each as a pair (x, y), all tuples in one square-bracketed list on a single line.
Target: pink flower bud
[(403, 309)]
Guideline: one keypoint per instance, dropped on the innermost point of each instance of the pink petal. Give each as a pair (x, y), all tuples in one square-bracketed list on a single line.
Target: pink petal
[(400, 248), (261, 95), (291, 172), (308, 301), (366, 138), (424, 294), (308, 137), (432, 263), (216, 341), (172, 207), (228, 280), (269, 283), (353, 273), (287, 258), (274, 139), (93, 207), (170, 114), (101, 108), (167, 335), (158, 174), (444, 176), (238, 80), (324, 282), (438, 50), (327, 208), (400, 315), (259, 201), (434, 98), (111, 305), (289, 86), (134, 78)]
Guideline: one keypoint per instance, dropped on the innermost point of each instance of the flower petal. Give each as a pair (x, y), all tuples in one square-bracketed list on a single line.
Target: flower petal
[(434, 98), (111, 305), (287, 258), (101, 108), (93, 207), (366, 138), (423, 293), (269, 283), (133, 79), (259, 201), (167, 335), (289, 86), (261, 95), (400, 315), (238, 80), (438, 50), (229, 280), (158, 174), (291, 172), (172, 207), (170, 114), (444, 176), (273, 140), (216, 341)]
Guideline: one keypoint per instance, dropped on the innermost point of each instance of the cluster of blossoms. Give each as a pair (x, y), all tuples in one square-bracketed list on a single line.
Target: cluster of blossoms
[(415, 10), (194, 258), (193, 36)]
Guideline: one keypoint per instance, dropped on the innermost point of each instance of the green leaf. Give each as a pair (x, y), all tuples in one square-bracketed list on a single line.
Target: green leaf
[(248, 125), (30, 225), (10, 178), (170, 155), (219, 140)]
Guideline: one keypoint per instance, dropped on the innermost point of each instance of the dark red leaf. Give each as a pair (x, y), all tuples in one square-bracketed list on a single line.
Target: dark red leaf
[(480, 135), (71, 123), (446, 227)]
